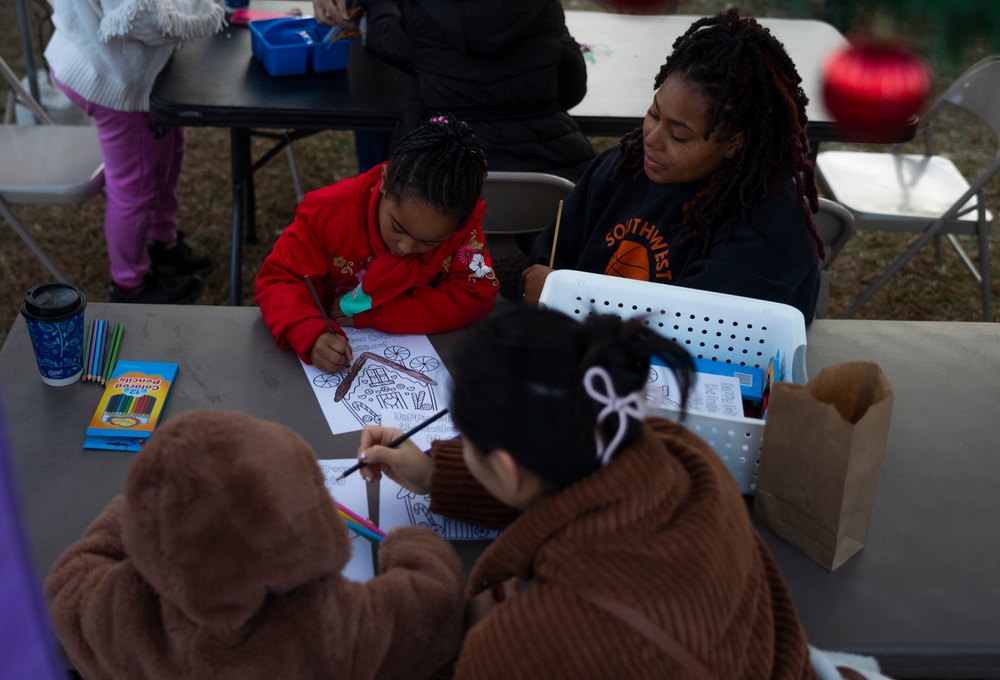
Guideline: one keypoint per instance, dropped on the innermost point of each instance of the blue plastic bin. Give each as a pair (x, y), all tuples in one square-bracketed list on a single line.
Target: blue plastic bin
[(291, 46)]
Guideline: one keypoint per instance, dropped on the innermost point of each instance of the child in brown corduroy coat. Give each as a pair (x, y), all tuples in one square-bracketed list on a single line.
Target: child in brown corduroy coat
[(622, 531), (223, 560)]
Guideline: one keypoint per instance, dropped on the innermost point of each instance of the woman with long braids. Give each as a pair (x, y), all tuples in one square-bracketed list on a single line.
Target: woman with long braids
[(399, 248), (715, 191)]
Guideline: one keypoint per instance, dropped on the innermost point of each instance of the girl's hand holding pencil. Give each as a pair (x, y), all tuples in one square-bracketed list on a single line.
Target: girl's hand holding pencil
[(331, 352), (404, 463)]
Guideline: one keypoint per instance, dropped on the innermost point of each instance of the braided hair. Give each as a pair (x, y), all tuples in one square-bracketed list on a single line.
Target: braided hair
[(519, 385), (442, 163), (756, 90)]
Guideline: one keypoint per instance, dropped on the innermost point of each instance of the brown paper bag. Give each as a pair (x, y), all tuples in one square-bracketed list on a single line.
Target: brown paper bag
[(821, 459)]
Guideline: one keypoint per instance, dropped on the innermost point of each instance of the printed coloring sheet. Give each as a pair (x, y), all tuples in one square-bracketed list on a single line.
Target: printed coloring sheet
[(395, 381), (712, 394), (351, 492), (397, 507), (400, 507)]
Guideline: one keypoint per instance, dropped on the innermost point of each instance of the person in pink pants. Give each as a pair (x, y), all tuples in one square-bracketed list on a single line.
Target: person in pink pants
[(105, 55), (142, 166)]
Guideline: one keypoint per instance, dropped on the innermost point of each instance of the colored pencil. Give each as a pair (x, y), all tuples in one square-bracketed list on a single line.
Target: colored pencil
[(398, 440), (319, 303), (98, 346), (360, 529), (555, 237), (93, 350), (359, 519), (86, 349), (107, 353), (102, 349), (116, 341), (109, 362)]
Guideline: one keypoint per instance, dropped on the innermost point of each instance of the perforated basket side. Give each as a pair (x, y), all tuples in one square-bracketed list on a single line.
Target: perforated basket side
[(736, 441), (713, 326)]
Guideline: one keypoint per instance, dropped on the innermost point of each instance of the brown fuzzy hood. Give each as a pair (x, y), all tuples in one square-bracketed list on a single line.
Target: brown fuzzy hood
[(223, 509)]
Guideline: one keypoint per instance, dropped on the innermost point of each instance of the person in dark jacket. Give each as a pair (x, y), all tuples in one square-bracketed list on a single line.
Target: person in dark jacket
[(715, 191), (510, 69)]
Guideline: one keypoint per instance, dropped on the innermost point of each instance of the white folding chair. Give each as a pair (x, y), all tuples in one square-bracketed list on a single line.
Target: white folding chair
[(835, 226), (923, 193), (45, 164), (518, 206)]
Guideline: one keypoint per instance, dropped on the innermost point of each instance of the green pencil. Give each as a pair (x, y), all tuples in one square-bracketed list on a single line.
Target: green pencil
[(106, 358), (116, 341)]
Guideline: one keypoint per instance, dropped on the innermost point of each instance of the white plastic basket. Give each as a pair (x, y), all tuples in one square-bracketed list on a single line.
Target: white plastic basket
[(712, 326)]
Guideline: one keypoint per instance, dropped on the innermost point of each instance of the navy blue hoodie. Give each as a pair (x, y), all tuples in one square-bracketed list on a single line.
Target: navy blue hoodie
[(630, 228)]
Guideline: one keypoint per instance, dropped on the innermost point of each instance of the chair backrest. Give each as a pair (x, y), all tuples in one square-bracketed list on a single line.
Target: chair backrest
[(976, 91), (521, 202), (518, 206), (21, 95), (835, 226), (45, 164)]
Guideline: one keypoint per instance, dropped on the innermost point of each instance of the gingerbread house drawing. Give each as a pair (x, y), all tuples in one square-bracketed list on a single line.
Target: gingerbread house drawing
[(419, 514), (376, 385)]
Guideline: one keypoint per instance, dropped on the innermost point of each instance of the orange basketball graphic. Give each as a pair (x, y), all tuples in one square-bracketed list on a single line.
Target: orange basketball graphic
[(630, 261)]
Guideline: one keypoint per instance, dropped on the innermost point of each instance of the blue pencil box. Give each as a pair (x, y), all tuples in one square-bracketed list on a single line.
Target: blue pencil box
[(290, 46)]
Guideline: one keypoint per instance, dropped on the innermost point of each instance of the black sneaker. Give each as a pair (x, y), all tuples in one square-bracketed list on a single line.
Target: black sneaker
[(178, 260), (159, 290)]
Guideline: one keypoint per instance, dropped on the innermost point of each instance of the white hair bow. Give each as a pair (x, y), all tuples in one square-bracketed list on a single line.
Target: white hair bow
[(631, 405)]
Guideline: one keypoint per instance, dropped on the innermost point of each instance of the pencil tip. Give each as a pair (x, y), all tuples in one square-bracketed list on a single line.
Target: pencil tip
[(339, 477)]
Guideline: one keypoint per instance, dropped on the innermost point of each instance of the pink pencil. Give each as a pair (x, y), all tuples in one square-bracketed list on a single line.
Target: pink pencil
[(360, 520)]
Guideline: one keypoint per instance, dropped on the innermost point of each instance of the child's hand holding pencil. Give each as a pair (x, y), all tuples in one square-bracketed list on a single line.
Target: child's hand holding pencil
[(382, 452), (331, 352)]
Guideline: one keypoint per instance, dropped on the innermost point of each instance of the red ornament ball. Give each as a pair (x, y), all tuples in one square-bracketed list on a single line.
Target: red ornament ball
[(875, 89)]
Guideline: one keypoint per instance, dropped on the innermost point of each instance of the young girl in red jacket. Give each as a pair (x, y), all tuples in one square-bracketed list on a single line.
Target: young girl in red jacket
[(399, 248)]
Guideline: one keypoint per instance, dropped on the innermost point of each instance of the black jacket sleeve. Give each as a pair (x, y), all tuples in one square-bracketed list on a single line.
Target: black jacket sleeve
[(386, 37), (572, 72)]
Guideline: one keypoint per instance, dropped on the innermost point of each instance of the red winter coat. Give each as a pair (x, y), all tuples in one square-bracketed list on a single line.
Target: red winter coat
[(335, 240)]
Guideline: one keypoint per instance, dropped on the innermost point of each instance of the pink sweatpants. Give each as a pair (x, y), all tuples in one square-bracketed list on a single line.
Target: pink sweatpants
[(142, 165)]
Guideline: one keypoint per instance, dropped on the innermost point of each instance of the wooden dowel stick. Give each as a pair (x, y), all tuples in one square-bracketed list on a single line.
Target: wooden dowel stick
[(555, 237)]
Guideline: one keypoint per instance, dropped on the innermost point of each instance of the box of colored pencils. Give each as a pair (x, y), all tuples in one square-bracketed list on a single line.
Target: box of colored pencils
[(131, 405)]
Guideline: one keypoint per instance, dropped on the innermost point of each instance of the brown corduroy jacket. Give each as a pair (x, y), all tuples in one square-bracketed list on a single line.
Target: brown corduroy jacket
[(662, 528)]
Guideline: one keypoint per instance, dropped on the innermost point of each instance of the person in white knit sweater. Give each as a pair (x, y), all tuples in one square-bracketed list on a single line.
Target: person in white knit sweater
[(105, 55)]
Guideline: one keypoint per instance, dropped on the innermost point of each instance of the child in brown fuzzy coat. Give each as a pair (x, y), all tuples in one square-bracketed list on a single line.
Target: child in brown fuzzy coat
[(223, 560)]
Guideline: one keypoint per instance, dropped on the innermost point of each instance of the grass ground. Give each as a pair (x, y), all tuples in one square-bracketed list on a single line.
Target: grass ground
[(74, 234)]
